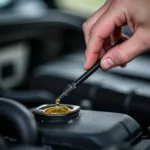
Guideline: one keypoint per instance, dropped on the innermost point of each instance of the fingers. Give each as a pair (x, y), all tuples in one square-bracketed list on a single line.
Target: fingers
[(113, 38), (87, 26), (124, 37), (116, 35), (123, 65), (123, 53), (103, 28), (107, 44)]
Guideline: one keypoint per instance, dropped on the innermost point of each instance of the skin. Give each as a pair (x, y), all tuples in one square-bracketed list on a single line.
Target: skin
[(103, 29)]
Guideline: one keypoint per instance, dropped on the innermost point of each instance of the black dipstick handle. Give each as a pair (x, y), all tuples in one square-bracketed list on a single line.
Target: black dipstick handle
[(81, 79)]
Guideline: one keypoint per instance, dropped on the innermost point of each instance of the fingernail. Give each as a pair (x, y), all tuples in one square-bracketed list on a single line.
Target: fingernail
[(107, 64), (85, 64)]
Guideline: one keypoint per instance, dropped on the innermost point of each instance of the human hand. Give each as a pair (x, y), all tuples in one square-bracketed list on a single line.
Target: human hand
[(103, 29)]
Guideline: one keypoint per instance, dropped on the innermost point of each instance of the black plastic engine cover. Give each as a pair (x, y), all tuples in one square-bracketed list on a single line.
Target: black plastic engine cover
[(92, 130), (118, 90), (143, 145)]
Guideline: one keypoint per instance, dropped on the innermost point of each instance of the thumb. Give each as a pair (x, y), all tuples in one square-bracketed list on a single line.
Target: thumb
[(123, 53)]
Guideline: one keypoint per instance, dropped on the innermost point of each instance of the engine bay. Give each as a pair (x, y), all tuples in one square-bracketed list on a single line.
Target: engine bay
[(41, 52)]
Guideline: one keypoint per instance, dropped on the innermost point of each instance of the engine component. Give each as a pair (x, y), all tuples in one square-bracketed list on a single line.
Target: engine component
[(17, 123), (83, 128)]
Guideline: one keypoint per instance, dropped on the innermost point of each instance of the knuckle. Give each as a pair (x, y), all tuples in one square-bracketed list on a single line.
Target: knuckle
[(93, 31), (145, 41), (121, 57), (85, 26)]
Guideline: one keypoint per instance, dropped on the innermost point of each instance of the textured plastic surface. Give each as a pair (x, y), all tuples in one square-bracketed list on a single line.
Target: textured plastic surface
[(92, 130), (143, 145)]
